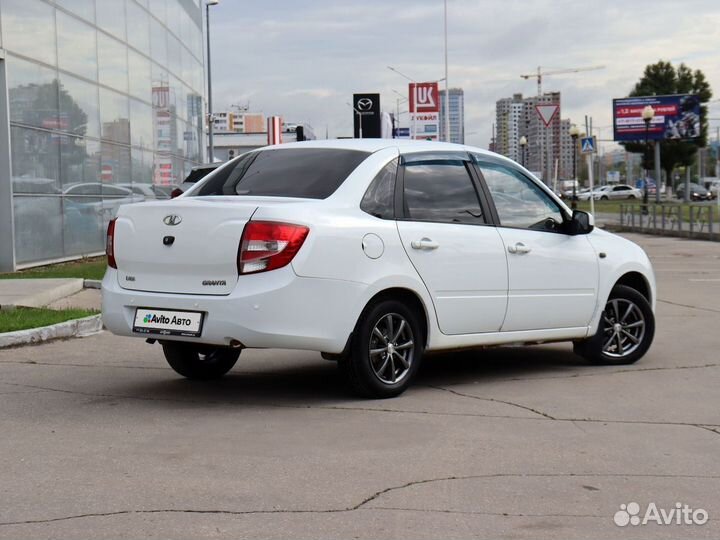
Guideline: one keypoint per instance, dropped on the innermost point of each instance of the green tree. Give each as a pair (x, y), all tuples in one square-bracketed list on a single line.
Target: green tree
[(661, 79)]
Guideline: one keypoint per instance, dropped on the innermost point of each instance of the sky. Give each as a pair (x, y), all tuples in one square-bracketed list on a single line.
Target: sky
[(303, 59)]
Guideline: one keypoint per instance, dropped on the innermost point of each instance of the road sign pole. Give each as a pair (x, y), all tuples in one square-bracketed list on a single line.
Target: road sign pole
[(590, 178)]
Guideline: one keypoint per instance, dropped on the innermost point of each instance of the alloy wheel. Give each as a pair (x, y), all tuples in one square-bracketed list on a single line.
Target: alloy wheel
[(624, 328), (391, 348)]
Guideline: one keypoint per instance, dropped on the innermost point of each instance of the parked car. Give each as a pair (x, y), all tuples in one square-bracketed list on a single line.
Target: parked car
[(696, 192), (714, 188), (371, 252), (146, 190), (164, 191), (619, 191), (196, 174), (596, 193), (99, 199)]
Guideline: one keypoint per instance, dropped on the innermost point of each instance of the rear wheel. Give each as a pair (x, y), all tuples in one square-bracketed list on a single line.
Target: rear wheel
[(200, 362), (385, 352), (604, 198), (626, 330)]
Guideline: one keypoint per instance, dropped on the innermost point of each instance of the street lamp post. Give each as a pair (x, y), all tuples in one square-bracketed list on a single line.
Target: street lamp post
[(647, 115), (574, 133), (523, 144), (447, 88), (211, 118), (399, 99)]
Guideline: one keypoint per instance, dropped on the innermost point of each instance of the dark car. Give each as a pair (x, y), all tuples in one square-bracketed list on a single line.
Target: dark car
[(196, 174), (696, 192)]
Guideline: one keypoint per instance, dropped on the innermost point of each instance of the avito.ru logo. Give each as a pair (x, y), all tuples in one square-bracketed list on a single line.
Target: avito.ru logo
[(681, 514)]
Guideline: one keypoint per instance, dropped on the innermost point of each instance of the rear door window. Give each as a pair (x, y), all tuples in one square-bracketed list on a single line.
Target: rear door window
[(312, 173), (441, 191)]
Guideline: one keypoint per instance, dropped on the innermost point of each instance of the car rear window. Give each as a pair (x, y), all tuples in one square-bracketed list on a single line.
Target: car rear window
[(312, 173)]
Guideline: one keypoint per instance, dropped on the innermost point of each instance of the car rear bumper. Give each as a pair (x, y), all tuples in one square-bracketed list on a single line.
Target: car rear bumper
[(276, 309)]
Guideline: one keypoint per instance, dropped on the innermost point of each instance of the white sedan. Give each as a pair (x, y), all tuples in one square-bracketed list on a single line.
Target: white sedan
[(371, 252), (619, 191), (595, 193)]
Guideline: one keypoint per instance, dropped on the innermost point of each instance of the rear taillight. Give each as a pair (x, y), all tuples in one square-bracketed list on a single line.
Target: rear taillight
[(110, 244), (267, 245)]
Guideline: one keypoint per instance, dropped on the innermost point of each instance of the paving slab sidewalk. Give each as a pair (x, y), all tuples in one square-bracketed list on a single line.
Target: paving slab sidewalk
[(37, 292), (85, 299)]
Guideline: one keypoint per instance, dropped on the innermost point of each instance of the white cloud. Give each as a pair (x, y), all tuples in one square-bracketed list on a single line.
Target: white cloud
[(303, 59)]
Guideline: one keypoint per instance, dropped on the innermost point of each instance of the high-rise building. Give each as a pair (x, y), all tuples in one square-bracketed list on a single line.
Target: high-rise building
[(508, 122), (548, 147), (239, 122), (457, 115), (566, 151), (97, 96)]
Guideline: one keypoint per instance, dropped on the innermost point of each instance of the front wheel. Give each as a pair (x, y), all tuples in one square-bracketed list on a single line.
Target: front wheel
[(604, 198), (199, 362), (626, 330), (385, 352)]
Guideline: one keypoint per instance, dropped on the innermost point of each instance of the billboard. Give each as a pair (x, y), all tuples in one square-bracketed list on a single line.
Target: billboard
[(424, 111), (676, 117), (367, 110)]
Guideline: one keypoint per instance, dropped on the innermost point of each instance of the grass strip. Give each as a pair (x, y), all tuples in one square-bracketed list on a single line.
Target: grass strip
[(85, 268), (23, 318)]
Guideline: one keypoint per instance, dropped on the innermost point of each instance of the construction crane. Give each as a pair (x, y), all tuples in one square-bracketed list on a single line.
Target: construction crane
[(540, 74)]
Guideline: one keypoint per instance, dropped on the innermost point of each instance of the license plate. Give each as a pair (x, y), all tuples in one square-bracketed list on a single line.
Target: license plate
[(168, 323)]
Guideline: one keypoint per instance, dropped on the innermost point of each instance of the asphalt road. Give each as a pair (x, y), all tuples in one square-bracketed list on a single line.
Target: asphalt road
[(99, 439)]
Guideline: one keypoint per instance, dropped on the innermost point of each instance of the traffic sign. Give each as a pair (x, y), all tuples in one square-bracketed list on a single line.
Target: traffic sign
[(587, 145), (547, 112)]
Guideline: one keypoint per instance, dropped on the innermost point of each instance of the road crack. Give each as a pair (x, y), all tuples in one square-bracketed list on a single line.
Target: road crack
[(495, 400), (711, 310), (363, 503)]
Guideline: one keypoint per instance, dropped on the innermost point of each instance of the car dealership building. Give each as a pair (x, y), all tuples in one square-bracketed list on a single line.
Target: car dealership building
[(101, 103)]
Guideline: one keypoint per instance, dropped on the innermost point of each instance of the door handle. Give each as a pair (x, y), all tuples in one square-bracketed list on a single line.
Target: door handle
[(424, 243), (519, 249)]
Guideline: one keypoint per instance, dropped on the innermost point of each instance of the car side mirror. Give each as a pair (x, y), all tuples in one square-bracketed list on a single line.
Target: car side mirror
[(581, 223)]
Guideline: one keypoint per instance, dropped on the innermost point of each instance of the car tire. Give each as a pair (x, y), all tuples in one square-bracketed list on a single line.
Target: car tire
[(626, 343), (604, 198), (199, 362), (385, 350), (632, 197)]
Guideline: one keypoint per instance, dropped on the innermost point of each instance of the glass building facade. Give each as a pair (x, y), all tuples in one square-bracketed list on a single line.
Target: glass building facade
[(457, 115), (104, 102)]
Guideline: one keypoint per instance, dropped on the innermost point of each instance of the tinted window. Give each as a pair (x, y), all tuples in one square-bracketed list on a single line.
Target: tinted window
[(379, 199), (313, 173), (519, 201), (441, 191)]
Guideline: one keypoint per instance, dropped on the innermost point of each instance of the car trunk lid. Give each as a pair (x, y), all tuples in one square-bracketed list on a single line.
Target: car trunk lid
[(187, 246)]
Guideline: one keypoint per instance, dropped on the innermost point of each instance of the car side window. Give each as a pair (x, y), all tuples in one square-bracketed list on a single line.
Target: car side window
[(379, 199), (519, 201), (440, 191)]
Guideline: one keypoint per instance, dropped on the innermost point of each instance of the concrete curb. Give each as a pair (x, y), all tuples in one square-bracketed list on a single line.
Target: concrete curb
[(92, 284), (75, 328)]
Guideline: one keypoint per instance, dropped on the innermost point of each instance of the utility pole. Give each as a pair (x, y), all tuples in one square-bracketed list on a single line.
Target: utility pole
[(447, 87), (211, 118)]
